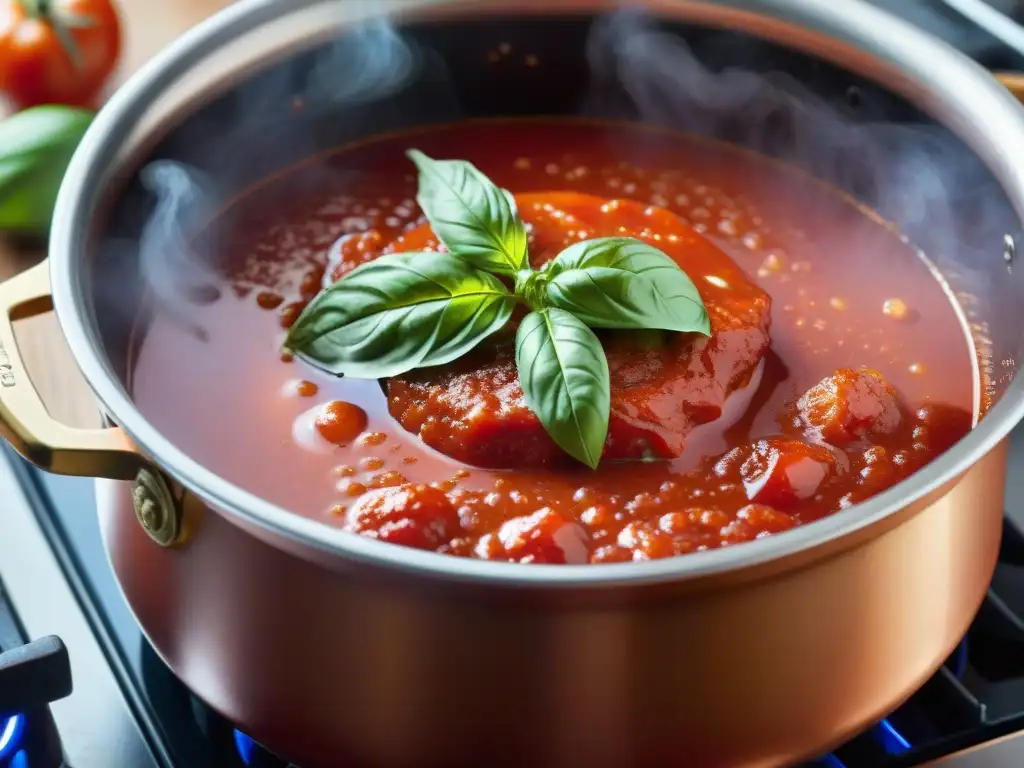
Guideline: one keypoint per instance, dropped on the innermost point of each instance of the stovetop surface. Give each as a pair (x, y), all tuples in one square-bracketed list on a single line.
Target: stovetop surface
[(128, 710)]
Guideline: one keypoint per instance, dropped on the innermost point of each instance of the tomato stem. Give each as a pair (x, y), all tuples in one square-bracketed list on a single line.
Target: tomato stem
[(43, 10)]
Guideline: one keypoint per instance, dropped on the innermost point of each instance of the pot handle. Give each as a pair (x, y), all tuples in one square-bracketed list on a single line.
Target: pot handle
[(1013, 82), (24, 420)]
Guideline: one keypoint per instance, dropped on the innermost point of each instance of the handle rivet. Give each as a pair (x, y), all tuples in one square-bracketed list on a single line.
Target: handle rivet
[(149, 512), (1009, 250), (155, 508)]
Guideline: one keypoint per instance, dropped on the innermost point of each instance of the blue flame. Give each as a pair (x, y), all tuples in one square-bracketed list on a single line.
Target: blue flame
[(10, 734), (960, 659), (892, 741), (246, 747), (830, 761)]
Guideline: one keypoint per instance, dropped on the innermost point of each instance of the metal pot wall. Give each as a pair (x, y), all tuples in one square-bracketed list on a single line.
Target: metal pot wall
[(337, 650)]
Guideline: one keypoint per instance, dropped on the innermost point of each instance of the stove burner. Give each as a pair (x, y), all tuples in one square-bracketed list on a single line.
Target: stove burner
[(255, 756), (246, 747), (892, 741), (889, 739), (10, 735), (959, 663)]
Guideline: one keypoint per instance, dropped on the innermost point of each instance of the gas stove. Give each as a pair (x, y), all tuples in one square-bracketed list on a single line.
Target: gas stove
[(80, 687)]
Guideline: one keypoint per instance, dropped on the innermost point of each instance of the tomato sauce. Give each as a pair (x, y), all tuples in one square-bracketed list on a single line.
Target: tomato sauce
[(838, 362)]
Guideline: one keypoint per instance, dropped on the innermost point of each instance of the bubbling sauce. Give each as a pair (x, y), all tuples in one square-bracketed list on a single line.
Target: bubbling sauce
[(869, 373)]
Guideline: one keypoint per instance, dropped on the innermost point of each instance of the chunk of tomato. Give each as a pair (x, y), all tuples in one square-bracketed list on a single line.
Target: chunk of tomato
[(544, 537), (850, 405), (419, 516), (780, 473)]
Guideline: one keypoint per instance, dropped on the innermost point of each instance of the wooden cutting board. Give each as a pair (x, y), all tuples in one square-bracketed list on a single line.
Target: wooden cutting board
[(148, 26)]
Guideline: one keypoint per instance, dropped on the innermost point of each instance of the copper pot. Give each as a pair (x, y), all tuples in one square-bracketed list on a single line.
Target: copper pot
[(337, 650)]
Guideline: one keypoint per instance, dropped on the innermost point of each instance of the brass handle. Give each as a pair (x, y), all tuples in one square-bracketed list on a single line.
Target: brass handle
[(24, 420), (1013, 82)]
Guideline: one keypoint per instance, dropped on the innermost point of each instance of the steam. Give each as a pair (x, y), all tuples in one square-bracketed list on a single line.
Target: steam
[(369, 62), (170, 266), (913, 174), (372, 63)]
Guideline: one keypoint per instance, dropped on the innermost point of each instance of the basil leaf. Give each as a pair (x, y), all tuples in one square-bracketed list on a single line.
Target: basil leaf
[(512, 205), (475, 219), (400, 312), (36, 146), (620, 282), (565, 380)]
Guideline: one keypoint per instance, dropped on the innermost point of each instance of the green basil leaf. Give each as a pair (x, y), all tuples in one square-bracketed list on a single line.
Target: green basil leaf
[(475, 219), (620, 282), (36, 146), (564, 375), (400, 312), (512, 204)]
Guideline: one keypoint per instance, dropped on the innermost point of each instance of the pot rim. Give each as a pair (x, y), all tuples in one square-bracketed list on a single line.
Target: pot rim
[(926, 71)]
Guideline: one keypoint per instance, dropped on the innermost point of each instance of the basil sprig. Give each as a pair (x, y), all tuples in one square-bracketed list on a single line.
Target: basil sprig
[(415, 310)]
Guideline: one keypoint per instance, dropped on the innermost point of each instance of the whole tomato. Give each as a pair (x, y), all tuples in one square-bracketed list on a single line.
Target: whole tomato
[(57, 51)]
